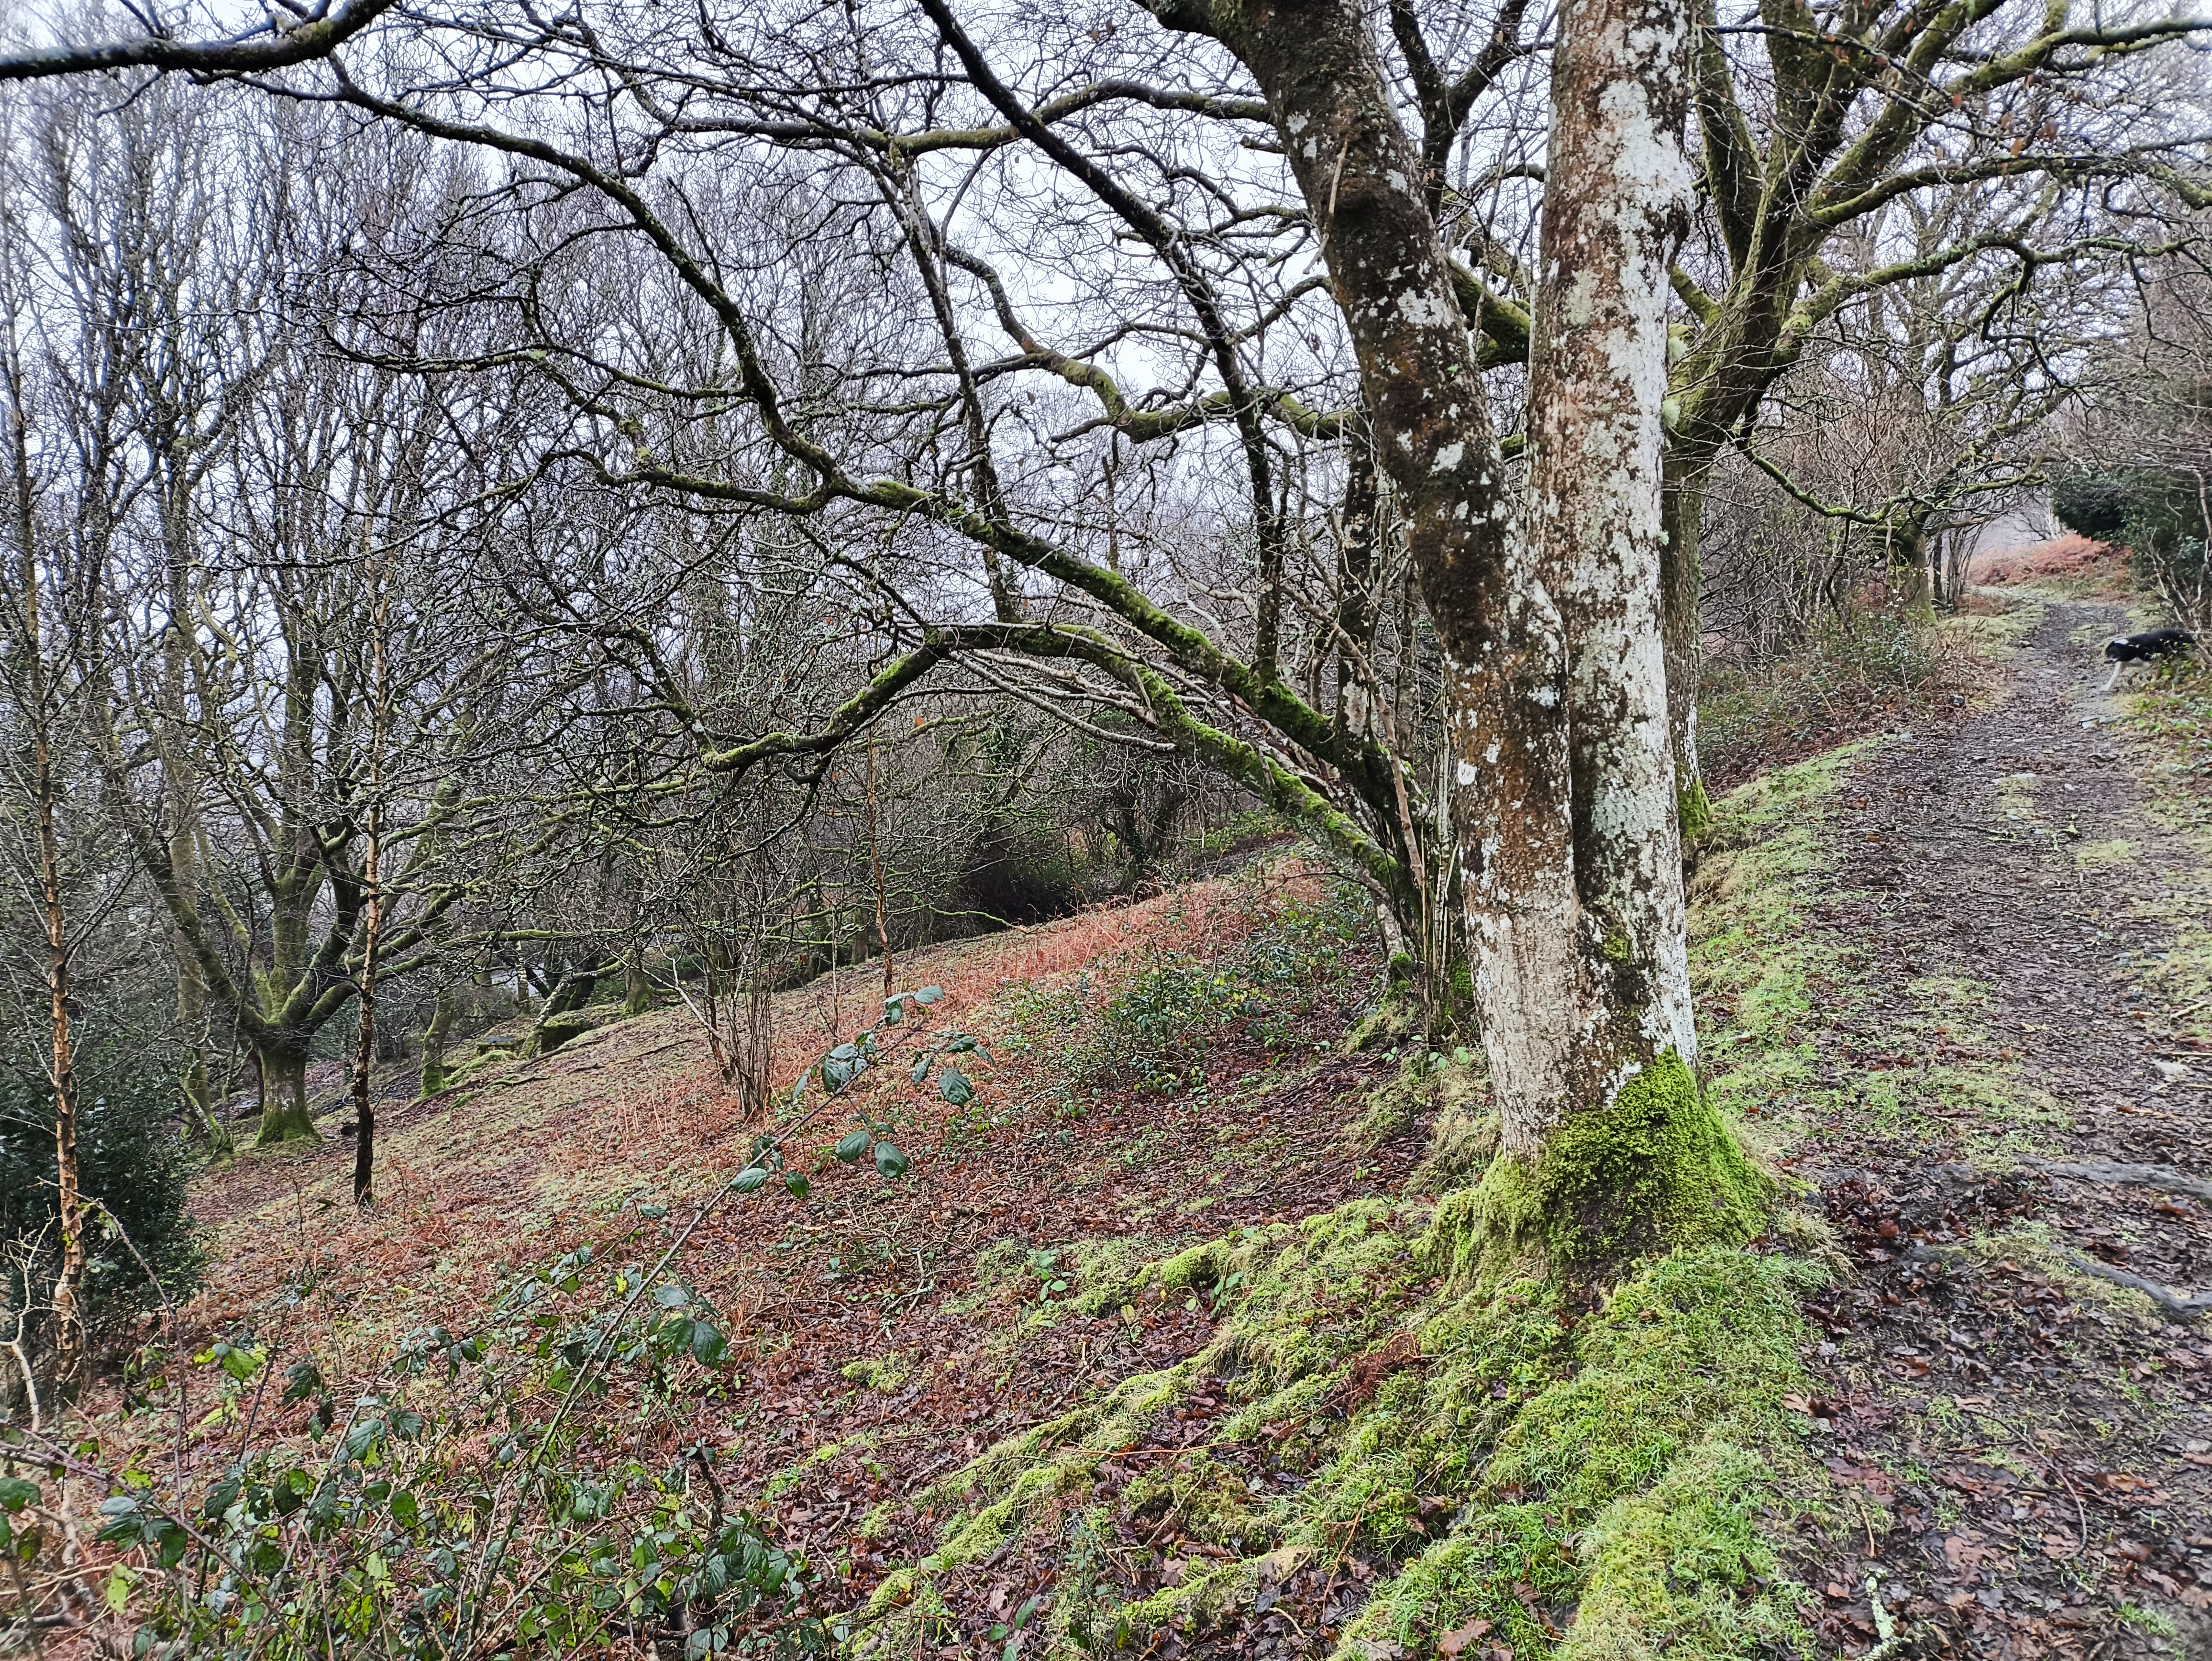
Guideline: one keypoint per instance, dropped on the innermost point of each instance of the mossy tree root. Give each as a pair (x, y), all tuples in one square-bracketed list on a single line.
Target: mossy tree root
[(1654, 1171), (1619, 1466)]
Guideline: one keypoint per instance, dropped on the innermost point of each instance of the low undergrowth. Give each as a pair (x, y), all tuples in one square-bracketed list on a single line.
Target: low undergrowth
[(1317, 1436), (1754, 957), (2174, 715), (1148, 1019), (1379, 1454), (1854, 671)]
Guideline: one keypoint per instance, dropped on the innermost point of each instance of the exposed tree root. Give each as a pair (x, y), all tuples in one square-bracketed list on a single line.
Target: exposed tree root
[(1465, 1454), (2163, 1177), (2179, 1307)]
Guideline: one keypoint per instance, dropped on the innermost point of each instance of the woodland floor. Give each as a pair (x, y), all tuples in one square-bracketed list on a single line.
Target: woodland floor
[(2007, 928)]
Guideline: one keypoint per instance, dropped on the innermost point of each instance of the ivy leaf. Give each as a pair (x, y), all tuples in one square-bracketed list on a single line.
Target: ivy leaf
[(853, 1146), (952, 1085), (223, 1495), (241, 1361), (749, 1180), (125, 1526), (890, 1161)]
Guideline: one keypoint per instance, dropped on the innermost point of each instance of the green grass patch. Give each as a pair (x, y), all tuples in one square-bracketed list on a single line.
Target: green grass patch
[(1754, 954)]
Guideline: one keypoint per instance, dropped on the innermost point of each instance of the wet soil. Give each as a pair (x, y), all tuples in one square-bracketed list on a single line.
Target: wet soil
[(2023, 1454)]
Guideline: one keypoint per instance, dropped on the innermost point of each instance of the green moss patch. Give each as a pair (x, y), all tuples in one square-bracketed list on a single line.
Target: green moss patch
[(1475, 1455), (1653, 1169), (1468, 1451), (1693, 808)]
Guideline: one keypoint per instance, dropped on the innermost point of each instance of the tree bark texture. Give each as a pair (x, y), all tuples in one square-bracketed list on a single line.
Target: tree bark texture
[(1564, 779), (432, 1077), (364, 1060), (38, 695), (1616, 205), (284, 1115), (372, 918)]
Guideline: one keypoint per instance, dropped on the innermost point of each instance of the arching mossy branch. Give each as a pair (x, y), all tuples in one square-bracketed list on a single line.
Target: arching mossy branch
[(1234, 758)]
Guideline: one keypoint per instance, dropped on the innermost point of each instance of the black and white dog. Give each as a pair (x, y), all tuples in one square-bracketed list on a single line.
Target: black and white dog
[(2121, 650)]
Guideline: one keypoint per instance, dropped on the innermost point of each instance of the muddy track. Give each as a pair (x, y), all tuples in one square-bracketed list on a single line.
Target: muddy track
[(2026, 1465)]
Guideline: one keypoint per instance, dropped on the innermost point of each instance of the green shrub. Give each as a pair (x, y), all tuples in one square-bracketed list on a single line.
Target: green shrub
[(2150, 510), (129, 1160), (1154, 1031)]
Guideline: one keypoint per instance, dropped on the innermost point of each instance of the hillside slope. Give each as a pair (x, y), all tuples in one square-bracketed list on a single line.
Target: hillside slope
[(1155, 1347)]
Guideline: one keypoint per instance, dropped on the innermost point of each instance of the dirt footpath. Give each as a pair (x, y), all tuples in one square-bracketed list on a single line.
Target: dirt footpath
[(2024, 1450)]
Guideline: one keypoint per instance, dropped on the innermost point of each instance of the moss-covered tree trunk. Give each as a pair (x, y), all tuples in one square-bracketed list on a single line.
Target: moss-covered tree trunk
[(1547, 607), (1577, 916), (637, 985), (433, 1077), (284, 1117)]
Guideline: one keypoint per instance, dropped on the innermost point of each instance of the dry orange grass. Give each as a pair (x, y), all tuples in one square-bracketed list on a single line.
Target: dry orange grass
[(2072, 560), (525, 1161), (530, 1161)]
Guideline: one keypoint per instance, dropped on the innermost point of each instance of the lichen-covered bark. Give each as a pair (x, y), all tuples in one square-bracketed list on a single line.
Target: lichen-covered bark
[(1362, 178), (1564, 786), (432, 1079), (284, 1115), (1681, 514), (1616, 202)]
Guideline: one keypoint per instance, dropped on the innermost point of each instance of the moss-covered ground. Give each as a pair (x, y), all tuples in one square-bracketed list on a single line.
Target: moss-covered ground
[(1361, 1453), (1386, 1447)]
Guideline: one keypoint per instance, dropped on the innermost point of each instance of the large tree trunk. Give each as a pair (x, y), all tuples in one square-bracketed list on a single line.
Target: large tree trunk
[(1608, 1147), (1564, 782), (284, 1117)]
